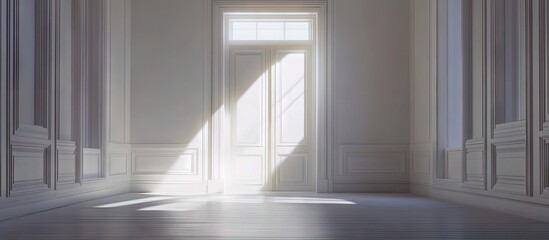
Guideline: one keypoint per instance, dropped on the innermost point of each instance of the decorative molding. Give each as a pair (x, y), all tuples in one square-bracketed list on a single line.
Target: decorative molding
[(507, 157), (509, 150), (510, 154), (374, 187), (475, 164), (118, 163), (509, 131), (29, 170), (451, 155), (544, 166), (119, 58), (29, 140), (90, 57), (219, 97), (66, 172), (92, 164), (543, 98), (543, 65), (366, 163), (3, 100), (167, 162), (35, 160), (421, 162)]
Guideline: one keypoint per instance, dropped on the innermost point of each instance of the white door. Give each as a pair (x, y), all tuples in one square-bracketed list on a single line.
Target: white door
[(271, 127)]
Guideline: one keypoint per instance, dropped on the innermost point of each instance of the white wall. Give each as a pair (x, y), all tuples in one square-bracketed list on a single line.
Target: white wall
[(167, 70), (422, 92), (371, 86), (118, 132), (371, 59), (35, 180), (167, 94)]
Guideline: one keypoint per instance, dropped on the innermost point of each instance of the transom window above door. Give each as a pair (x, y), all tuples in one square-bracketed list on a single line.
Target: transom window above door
[(273, 30)]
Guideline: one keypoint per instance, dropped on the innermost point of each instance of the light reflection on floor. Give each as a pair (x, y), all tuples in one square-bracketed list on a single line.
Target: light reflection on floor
[(133, 202), (271, 216), (195, 202)]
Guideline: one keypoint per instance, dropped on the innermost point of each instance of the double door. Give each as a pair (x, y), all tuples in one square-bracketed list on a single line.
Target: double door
[(271, 118)]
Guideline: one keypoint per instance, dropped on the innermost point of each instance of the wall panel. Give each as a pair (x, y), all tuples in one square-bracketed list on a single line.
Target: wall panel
[(371, 59), (66, 102), (508, 113), (372, 163), (30, 91), (505, 161), (41, 66), (541, 128), (166, 163), (66, 163), (422, 114), (170, 94), (119, 74), (167, 71), (118, 163)]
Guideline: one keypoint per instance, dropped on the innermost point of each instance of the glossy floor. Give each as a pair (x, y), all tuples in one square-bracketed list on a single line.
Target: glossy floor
[(271, 216)]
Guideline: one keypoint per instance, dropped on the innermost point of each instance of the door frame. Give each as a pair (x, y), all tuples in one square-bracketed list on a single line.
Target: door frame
[(322, 90)]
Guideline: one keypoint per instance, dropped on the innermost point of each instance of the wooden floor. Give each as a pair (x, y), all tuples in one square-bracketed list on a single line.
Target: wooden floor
[(271, 216)]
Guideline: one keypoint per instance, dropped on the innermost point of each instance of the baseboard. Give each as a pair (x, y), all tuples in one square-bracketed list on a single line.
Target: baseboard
[(418, 189), (215, 187), (371, 188), (25, 209), (519, 208), (323, 186)]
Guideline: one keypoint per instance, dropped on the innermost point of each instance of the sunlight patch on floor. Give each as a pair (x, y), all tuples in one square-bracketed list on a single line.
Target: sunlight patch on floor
[(133, 202), (195, 202)]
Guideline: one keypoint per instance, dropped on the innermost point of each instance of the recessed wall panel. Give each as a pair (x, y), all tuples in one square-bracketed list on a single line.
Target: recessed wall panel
[(26, 52), (92, 165)]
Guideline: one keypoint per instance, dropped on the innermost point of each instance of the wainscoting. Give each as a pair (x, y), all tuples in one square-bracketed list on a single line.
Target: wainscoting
[(371, 168), (504, 161), (63, 140), (168, 167)]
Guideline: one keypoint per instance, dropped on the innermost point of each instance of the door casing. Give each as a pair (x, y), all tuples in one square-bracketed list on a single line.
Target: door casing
[(320, 10)]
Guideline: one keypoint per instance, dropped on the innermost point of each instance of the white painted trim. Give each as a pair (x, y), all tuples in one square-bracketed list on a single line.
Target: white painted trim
[(208, 166), (218, 84), (383, 187), (128, 70), (525, 207), (3, 101), (510, 134), (43, 205)]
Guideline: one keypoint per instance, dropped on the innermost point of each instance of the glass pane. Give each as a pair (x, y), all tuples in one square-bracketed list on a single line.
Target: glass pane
[(297, 25), (270, 25), (270, 35), (297, 34), (290, 91), (245, 25), (244, 34), (270, 31)]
